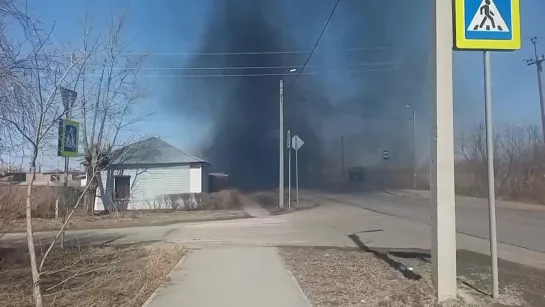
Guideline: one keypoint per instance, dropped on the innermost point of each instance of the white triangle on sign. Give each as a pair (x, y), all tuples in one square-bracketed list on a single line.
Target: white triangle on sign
[(488, 19)]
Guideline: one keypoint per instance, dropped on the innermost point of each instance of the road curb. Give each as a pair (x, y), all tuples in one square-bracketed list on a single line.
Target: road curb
[(153, 295), (294, 280)]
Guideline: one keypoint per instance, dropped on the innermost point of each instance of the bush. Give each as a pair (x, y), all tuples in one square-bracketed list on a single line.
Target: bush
[(13, 200), (226, 199)]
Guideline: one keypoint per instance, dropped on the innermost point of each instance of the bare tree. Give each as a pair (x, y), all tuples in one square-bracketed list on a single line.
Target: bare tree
[(109, 91), (30, 77), (519, 162)]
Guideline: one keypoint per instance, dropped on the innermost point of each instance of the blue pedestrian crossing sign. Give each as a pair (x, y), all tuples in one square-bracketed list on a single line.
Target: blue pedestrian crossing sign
[(68, 138), (487, 25)]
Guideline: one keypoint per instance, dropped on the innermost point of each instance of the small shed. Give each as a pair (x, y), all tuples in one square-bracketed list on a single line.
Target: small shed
[(146, 174)]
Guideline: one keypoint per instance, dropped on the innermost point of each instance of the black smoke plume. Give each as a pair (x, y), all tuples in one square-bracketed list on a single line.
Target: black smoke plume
[(244, 111)]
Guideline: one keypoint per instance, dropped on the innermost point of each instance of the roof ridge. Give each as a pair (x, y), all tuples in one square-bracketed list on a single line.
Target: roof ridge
[(157, 143)]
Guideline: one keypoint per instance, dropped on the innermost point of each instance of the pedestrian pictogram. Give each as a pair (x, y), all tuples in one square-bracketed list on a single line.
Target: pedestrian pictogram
[(488, 18), (71, 137), (487, 25), (68, 138)]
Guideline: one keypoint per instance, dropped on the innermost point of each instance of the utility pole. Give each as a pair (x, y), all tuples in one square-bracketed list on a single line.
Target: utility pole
[(342, 158), (414, 144), (538, 61), (281, 154), (442, 153)]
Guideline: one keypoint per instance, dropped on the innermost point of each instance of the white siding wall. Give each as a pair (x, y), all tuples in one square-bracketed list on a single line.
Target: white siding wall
[(195, 180), (206, 178), (147, 186)]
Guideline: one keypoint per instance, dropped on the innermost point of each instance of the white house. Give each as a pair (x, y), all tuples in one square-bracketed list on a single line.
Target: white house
[(145, 174)]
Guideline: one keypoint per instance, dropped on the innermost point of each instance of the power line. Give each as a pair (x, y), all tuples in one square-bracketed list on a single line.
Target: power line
[(317, 41), (239, 67), (254, 75), (174, 53), (253, 52)]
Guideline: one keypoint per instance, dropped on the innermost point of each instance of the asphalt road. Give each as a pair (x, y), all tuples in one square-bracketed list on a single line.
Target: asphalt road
[(519, 225)]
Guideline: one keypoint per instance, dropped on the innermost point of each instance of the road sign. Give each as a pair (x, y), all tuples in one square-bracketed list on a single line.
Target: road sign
[(385, 155), (487, 25), (296, 142), (68, 138), (288, 140), (68, 98)]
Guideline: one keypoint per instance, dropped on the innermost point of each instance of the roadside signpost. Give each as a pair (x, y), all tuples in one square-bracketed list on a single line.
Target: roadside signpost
[(488, 25), (68, 142), (68, 138), (288, 145), (296, 144)]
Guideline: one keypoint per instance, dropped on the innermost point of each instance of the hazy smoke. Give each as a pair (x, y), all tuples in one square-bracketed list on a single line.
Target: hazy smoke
[(244, 110)]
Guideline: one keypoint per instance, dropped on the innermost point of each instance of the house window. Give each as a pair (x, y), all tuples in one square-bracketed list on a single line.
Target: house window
[(122, 187)]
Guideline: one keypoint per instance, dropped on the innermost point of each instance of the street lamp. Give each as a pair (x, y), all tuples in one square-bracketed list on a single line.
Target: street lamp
[(414, 145)]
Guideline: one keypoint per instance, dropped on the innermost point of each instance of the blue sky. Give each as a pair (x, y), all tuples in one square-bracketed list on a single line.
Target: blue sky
[(515, 95)]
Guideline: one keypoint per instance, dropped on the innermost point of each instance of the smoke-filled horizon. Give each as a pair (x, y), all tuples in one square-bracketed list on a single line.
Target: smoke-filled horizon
[(359, 94)]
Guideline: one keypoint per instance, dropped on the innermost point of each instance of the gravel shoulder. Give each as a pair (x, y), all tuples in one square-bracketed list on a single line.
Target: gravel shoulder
[(350, 277)]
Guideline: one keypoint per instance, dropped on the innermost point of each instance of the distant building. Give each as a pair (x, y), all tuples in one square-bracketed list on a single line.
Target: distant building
[(53, 178), (146, 174)]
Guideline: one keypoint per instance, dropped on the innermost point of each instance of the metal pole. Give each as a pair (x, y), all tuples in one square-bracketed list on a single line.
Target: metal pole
[(281, 156), (342, 158), (442, 153), (414, 149), (289, 168), (491, 182), (297, 177)]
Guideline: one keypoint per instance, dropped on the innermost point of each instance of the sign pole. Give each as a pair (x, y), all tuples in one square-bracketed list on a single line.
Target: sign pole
[(68, 100), (491, 177), (65, 185), (281, 154), (487, 26), (297, 177), (289, 168)]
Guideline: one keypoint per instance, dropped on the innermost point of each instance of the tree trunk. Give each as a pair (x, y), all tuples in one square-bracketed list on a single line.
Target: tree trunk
[(30, 238), (89, 197)]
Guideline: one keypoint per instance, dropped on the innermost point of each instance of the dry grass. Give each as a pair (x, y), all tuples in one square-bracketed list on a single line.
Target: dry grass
[(13, 198), (226, 199), (331, 277), (91, 276), (125, 219)]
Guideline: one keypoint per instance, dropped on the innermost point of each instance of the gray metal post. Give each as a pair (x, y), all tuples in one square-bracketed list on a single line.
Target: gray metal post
[(491, 182), (281, 156), (289, 168), (65, 187), (297, 176)]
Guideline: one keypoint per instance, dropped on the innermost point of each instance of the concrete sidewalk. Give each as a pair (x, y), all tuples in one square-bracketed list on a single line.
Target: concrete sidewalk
[(231, 276)]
